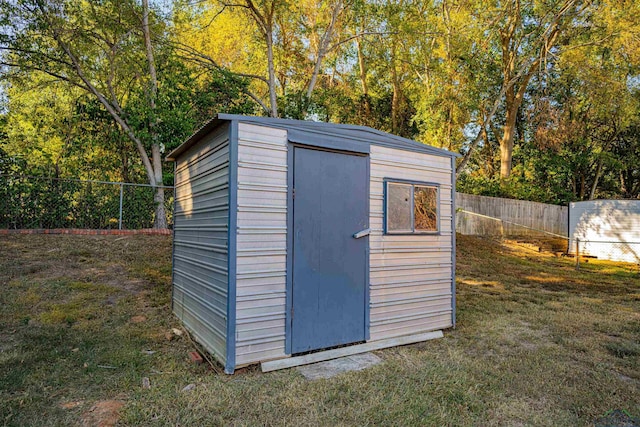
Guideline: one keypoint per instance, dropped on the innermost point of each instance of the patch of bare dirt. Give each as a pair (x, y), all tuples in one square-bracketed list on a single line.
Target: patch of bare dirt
[(88, 259), (111, 275), (117, 276), (554, 245), (71, 405), (104, 413), (529, 345), (138, 319), (7, 341)]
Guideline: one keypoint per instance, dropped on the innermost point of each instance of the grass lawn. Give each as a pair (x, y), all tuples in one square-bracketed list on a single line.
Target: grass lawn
[(84, 318)]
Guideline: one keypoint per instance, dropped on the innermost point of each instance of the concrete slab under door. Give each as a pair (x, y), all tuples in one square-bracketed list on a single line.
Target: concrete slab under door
[(331, 368)]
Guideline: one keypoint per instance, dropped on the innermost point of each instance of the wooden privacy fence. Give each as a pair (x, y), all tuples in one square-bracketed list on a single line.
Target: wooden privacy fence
[(495, 216)]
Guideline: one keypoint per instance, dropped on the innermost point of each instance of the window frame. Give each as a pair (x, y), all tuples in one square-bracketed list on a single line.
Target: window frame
[(413, 184)]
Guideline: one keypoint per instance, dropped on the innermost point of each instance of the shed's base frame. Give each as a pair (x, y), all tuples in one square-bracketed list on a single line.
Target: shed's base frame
[(321, 356)]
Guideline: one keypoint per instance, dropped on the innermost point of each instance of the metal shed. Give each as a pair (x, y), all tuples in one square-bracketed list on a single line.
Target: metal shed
[(293, 236), (607, 229)]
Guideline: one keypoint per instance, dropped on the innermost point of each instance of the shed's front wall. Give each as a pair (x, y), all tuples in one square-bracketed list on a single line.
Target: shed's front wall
[(410, 276), (607, 229), (200, 240)]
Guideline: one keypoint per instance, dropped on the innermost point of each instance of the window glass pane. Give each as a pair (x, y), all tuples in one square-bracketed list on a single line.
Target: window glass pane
[(399, 207), (426, 208)]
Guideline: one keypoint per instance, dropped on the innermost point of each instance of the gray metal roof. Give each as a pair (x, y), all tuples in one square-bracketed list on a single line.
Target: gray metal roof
[(307, 131)]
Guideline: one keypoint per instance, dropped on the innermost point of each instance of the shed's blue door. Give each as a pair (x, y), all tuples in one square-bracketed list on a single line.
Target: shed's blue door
[(330, 204)]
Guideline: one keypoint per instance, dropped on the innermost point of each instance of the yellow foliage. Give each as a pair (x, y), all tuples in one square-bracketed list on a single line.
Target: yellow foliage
[(36, 125), (231, 37)]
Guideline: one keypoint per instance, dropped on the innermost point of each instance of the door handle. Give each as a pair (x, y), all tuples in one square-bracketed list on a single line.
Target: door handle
[(362, 233)]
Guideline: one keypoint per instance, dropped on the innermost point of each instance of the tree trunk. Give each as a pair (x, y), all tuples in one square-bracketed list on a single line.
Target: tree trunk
[(518, 82), (110, 109), (513, 101), (324, 46), (623, 185), (635, 188), (472, 146), (397, 93), (488, 163), (508, 136), (273, 98), (124, 158), (395, 108), (594, 187), (362, 68), (447, 21), (160, 220)]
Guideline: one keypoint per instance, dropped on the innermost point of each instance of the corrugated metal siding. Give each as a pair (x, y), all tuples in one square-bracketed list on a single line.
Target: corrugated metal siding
[(201, 240), (261, 243), (607, 229), (410, 275)]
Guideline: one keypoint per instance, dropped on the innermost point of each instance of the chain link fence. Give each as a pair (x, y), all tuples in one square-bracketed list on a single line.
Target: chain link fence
[(609, 250), (28, 202)]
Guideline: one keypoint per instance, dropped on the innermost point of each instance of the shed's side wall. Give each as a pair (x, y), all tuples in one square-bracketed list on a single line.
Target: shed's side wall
[(200, 254), (261, 243), (607, 229), (410, 275)]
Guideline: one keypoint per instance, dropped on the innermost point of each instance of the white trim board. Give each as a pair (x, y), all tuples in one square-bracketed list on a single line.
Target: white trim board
[(321, 356)]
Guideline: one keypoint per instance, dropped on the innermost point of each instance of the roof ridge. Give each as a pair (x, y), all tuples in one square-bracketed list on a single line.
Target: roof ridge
[(341, 130)]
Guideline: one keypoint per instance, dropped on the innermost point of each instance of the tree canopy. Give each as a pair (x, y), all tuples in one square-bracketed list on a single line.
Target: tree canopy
[(541, 98)]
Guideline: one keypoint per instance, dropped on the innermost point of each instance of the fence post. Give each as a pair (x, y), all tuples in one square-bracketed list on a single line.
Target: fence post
[(577, 254), (121, 197)]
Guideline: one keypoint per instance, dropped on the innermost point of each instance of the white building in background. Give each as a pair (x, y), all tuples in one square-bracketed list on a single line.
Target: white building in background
[(607, 229)]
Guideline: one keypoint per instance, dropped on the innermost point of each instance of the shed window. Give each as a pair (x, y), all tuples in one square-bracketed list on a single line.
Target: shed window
[(411, 208)]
